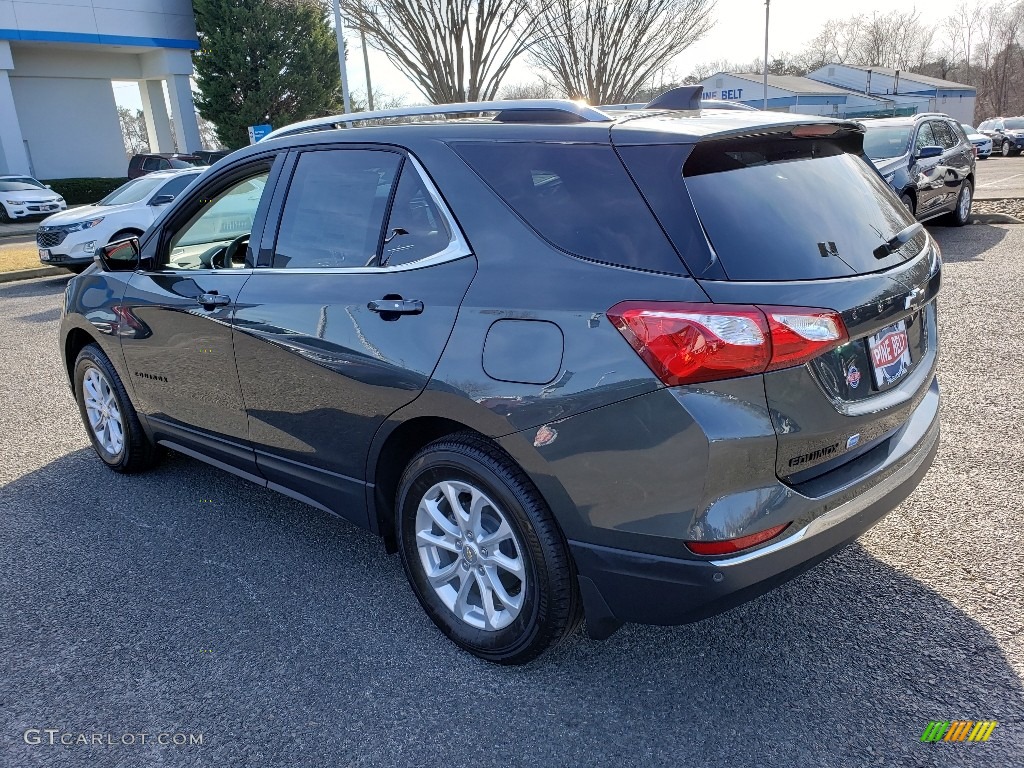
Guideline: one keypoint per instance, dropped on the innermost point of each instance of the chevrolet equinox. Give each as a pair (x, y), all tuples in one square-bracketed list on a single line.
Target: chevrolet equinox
[(568, 363)]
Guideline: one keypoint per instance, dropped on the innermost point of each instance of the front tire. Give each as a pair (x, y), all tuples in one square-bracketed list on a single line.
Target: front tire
[(5, 217), (908, 203), (962, 213), (124, 234), (483, 553), (1004, 148), (109, 417)]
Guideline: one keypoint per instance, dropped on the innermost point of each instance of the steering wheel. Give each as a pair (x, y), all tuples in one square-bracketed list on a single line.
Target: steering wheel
[(223, 259)]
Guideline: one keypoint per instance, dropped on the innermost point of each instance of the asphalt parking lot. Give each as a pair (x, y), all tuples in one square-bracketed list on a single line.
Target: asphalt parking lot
[(187, 601), (1000, 177)]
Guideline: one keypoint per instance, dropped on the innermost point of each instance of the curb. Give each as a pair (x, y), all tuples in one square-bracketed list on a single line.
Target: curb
[(994, 218), (18, 233), (28, 274)]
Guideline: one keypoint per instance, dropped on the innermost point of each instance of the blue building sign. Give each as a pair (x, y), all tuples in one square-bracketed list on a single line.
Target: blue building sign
[(257, 132), (726, 94)]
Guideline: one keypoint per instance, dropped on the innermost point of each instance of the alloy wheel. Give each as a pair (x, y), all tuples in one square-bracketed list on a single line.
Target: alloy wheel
[(470, 555), (965, 202), (1005, 149), (103, 412)]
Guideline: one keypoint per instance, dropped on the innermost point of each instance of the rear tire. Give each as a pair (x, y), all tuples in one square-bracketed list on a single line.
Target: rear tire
[(962, 213), (109, 417), (483, 553)]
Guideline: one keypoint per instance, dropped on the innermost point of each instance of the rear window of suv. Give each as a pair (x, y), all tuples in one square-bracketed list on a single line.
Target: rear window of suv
[(777, 209), (576, 196)]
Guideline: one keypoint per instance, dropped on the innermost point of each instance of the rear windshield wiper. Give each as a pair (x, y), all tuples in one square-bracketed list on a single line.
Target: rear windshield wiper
[(902, 237)]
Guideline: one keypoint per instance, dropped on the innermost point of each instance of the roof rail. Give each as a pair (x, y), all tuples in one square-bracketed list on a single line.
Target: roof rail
[(551, 110)]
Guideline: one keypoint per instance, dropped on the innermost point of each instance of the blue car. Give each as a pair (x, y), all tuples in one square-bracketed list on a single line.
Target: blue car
[(928, 161)]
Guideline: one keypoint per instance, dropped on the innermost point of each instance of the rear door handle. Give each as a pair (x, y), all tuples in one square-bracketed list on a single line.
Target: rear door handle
[(212, 299), (396, 306)]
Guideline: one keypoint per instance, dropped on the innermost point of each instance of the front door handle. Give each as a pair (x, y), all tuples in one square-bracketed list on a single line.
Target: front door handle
[(396, 306), (212, 299)]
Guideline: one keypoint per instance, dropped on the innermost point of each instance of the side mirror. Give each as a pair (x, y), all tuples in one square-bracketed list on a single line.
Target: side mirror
[(162, 200), (47, 186), (925, 152), (122, 256)]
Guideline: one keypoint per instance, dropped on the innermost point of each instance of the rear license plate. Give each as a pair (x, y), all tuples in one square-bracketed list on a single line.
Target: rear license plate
[(890, 354), (44, 254)]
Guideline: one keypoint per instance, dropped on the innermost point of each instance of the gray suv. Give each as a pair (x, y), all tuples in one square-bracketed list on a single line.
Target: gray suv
[(568, 363)]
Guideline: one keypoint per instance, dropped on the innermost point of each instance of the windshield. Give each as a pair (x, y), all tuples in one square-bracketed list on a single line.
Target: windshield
[(18, 186), (881, 142), (177, 162), (134, 191), (1014, 124), (968, 128)]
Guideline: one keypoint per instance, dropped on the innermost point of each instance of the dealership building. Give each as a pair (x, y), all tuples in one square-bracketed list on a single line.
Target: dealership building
[(842, 90), (58, 59)]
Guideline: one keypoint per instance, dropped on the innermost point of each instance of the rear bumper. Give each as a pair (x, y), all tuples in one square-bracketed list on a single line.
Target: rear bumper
[(624, 586)]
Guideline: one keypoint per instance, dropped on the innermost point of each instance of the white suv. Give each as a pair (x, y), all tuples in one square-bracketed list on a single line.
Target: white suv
[(22, 196), (70, 238)]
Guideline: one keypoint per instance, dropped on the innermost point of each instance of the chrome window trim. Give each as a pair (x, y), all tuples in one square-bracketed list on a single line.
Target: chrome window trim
[(457, 248)]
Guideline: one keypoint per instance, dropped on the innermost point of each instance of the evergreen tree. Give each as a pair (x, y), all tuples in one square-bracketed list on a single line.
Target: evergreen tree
[(264, 61)]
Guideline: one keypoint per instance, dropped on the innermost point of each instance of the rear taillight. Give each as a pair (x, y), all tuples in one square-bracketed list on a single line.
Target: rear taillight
[(729, 546), (691, 343)]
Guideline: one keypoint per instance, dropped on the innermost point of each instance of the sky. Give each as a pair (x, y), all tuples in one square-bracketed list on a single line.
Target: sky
[(738, 35)]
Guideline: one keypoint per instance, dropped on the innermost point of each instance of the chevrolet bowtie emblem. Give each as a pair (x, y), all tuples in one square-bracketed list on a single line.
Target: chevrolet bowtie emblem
[(912, 297)]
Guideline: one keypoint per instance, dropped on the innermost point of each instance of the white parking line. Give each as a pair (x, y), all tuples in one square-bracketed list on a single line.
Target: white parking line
[(1000, 182)]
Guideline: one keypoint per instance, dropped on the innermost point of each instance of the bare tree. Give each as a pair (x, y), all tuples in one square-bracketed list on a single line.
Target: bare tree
[(133, 130), (898, 40), (208, 133), (606, 50), (452, 50), (706, 69), (834, 44), (535, 89), (959, 31)]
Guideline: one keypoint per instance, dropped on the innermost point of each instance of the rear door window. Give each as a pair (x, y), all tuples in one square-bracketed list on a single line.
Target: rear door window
[(780, 208), (576, 196), (416, 227), (334, 212)]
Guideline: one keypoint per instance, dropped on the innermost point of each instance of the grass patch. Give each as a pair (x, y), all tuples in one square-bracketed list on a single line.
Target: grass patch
[(21, 256)]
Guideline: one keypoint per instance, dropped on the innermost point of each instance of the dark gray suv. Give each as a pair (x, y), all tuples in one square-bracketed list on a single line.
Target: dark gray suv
[(632, 367)]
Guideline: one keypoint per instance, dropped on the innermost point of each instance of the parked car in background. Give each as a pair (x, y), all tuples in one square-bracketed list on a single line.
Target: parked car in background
[(981, 142), (70, 239), (1007, 134), (928, 162), (211, 156), (142, 164), (23, 196), (638, 366)]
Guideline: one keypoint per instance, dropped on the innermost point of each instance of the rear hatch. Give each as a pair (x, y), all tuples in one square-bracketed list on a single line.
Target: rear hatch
[(796, 216)]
